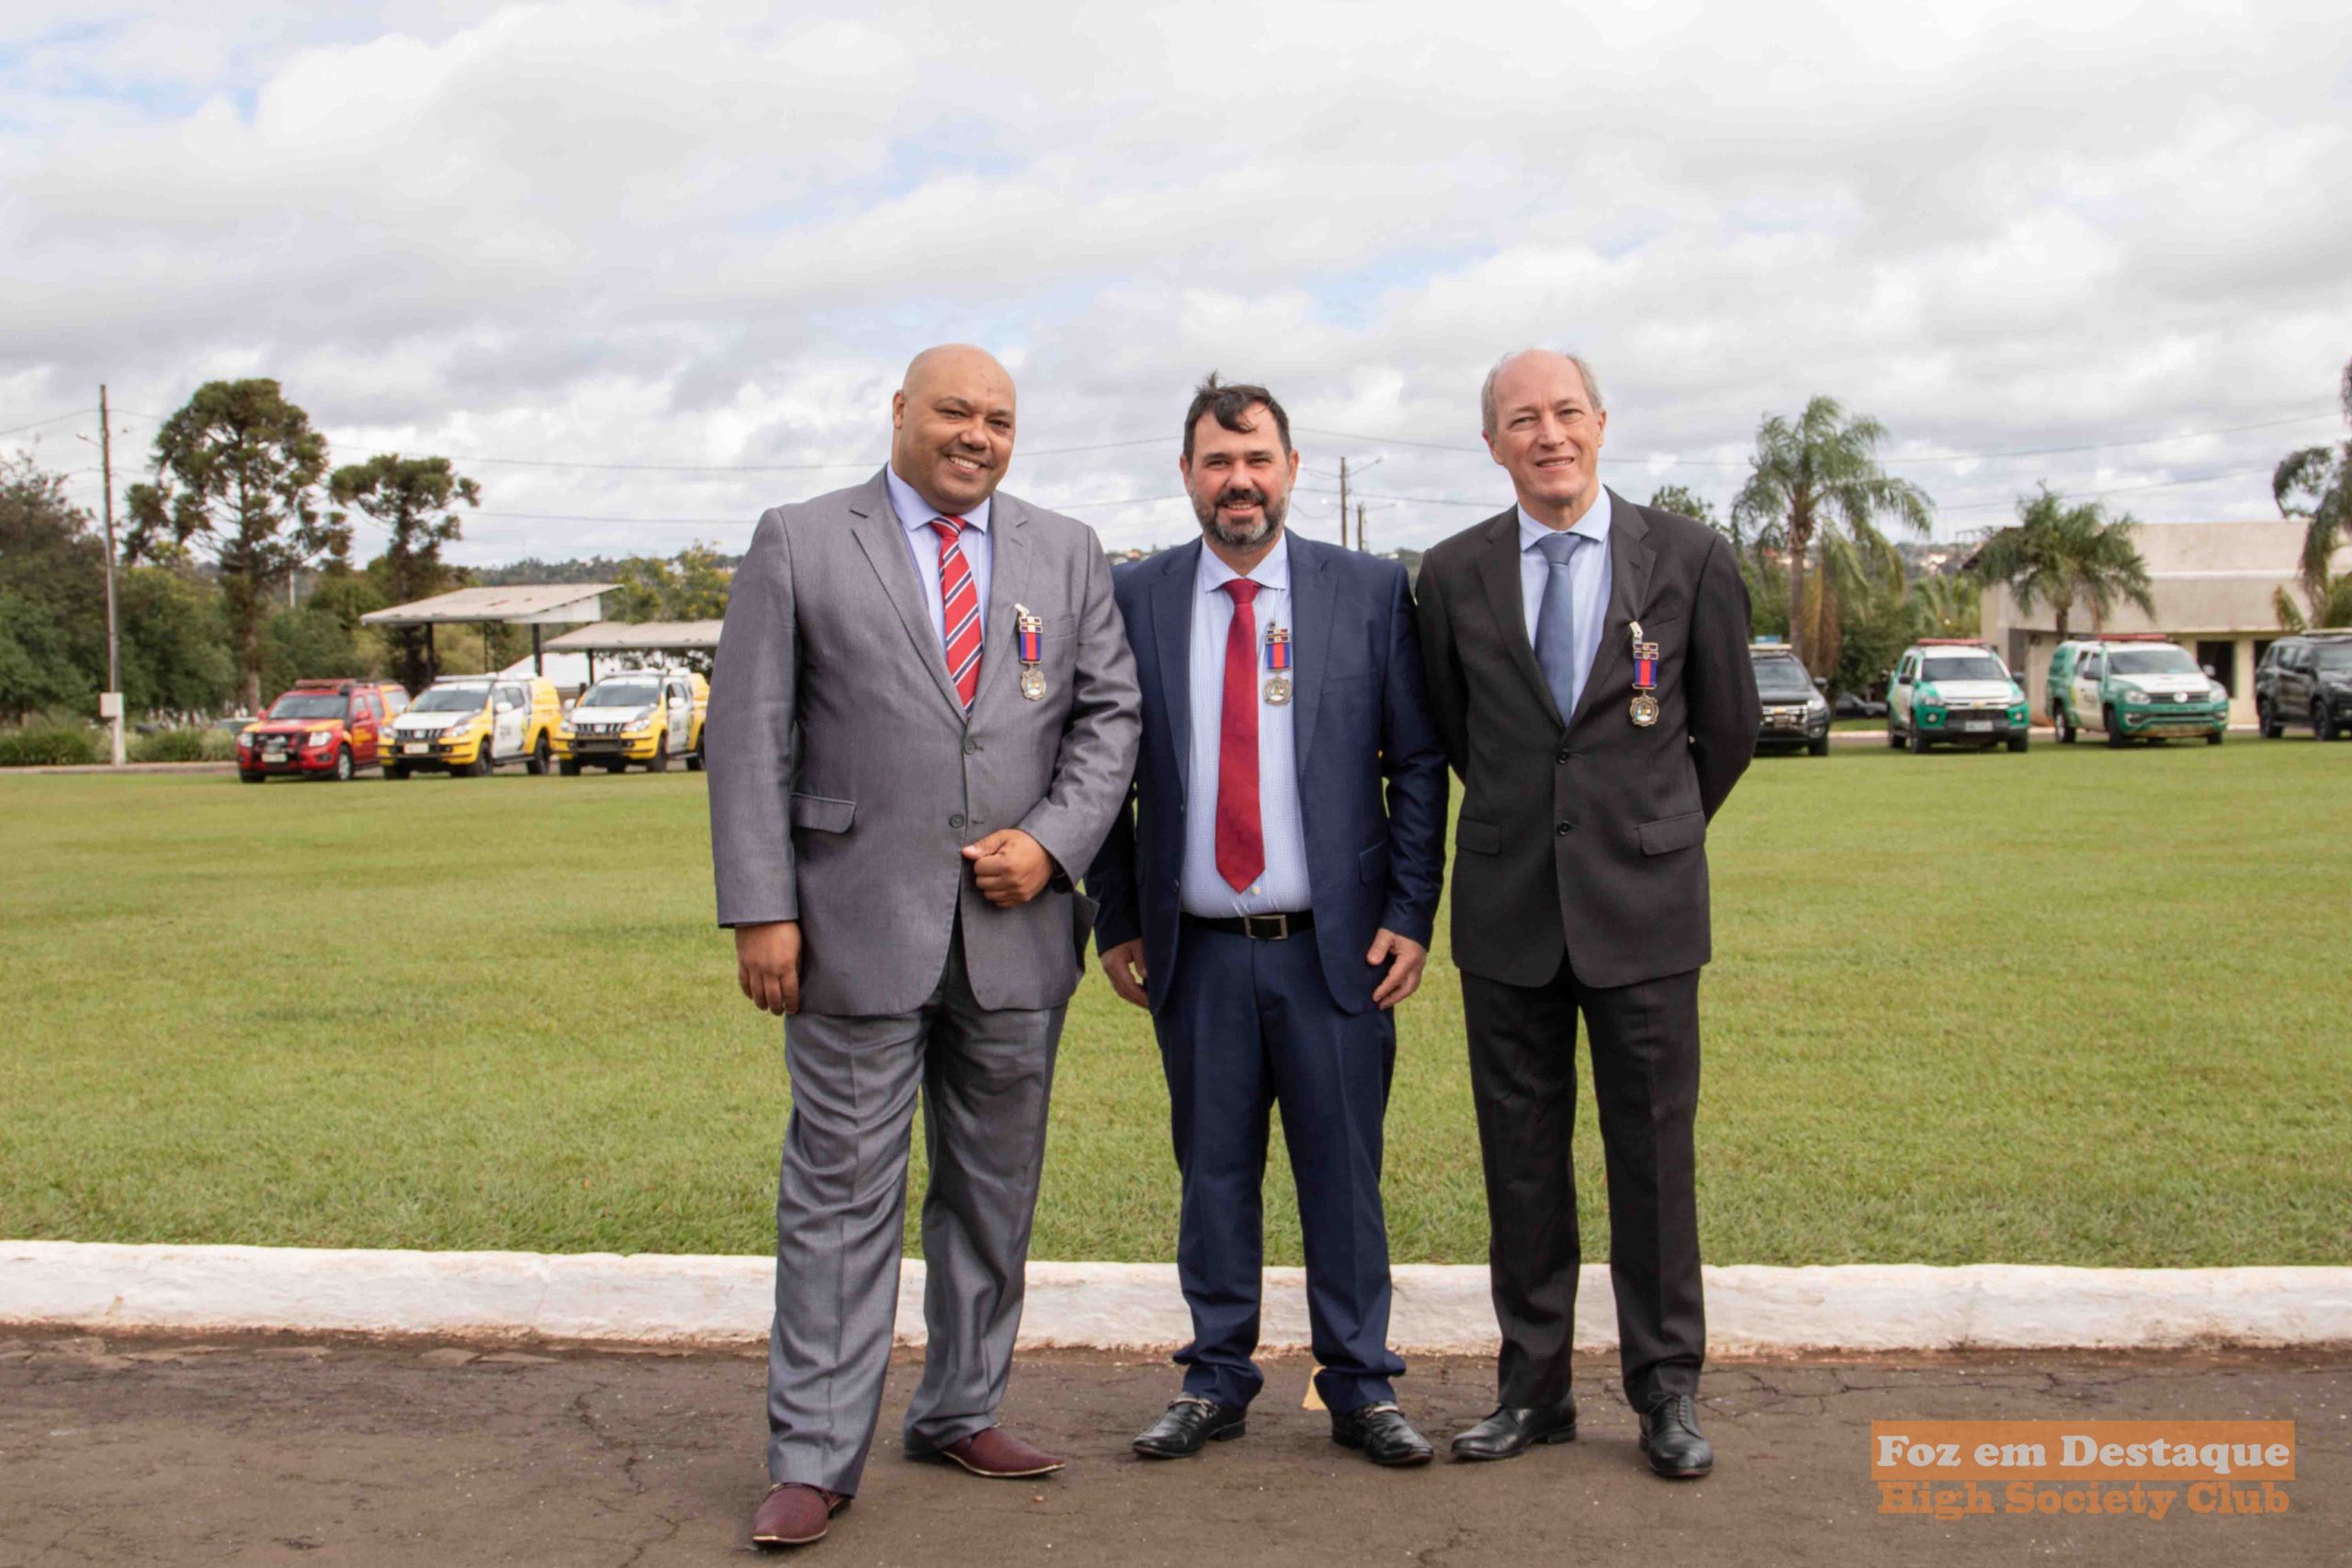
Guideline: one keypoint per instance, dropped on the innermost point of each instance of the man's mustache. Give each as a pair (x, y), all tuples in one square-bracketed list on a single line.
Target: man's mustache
[(1248, 496)]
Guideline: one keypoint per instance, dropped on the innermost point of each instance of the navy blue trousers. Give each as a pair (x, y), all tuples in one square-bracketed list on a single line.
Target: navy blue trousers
[(1248, 1025)]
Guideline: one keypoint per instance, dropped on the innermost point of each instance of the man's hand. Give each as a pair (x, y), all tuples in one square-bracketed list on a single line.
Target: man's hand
[(1011, 867), (767, 965), (1123, 965), (1405, 975)]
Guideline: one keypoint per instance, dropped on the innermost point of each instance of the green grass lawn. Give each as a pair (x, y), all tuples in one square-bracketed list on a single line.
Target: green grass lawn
[(2070, 1006)]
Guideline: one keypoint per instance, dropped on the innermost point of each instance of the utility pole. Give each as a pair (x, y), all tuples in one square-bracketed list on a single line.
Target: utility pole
[(110, 705), (1343, 504), (1360, 543)]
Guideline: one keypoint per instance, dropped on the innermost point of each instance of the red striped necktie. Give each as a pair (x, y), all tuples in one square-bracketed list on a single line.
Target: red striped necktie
[(1241, 834), (959, 600)]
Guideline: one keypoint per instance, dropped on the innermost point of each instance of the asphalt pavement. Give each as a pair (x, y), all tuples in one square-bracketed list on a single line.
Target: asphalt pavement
[(132, 1451)]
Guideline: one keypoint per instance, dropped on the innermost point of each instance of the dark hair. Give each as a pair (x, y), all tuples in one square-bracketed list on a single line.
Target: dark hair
[(1230, 404)]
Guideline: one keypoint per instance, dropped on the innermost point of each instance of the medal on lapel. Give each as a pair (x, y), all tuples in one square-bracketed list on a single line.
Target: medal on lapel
[(1644, 709), (1277, 666), (1029, 631)]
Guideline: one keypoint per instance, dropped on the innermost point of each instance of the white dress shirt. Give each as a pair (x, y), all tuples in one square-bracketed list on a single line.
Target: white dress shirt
[(1590, 573), (1282, 888), (916, 516)]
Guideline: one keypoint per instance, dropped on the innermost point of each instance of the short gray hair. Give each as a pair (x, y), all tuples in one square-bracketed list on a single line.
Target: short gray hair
[(1487, 390)]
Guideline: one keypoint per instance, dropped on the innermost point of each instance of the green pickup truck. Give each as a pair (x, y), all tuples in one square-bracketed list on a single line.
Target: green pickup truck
[(1954, 690), (2141, 687)]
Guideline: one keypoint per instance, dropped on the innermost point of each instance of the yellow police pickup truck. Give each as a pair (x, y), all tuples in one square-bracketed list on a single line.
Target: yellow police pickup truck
[(648, 716)]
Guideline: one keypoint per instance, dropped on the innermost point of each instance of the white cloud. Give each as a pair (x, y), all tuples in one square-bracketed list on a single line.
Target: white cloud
[(712, 234)]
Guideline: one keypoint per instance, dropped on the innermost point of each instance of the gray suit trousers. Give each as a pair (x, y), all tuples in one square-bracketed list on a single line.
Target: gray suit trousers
[(984, 1077)]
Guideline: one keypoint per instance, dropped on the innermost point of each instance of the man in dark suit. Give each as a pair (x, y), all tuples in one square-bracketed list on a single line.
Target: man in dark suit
[(1268, 939), (1589, 668)]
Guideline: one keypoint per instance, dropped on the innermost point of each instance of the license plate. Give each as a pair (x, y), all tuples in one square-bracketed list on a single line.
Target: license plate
[(276, 750), (414, 748), (1978, 725)]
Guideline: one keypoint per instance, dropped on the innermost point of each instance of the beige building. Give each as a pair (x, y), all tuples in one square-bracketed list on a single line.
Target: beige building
[(2213, 585)]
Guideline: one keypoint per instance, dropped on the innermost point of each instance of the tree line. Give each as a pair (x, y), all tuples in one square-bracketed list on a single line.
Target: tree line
[(243, 503)]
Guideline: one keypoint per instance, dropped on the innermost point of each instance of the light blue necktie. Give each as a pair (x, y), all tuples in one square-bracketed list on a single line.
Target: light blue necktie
[(1556, 637)]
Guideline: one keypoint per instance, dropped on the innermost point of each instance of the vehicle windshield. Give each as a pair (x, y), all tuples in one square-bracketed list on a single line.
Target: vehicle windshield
[(1965, 667), (2332, 654), (1782, 677), (308, 704), (622, 695), (2166, 660), (451, 699)]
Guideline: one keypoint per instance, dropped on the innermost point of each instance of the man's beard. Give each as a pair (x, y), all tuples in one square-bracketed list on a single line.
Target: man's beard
[(1271, 511)]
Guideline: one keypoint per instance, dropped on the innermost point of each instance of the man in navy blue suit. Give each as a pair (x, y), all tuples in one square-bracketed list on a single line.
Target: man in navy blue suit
[(1269, 939)]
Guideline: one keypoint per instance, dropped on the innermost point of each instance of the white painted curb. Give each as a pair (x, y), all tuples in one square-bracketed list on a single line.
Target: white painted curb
[(655, 1299)]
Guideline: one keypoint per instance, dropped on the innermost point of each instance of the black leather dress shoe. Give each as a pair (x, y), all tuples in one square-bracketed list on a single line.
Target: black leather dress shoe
[(1670, 1436), (1188, 1422), (1509, 1430), (1384, 1434)]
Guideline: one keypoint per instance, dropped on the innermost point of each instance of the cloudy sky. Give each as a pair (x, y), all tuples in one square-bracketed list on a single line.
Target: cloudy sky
[(646, 270)]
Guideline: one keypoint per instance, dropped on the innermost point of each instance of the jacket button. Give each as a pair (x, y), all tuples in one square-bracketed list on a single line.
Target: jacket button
[(958, 821), (1564, 753), (970, 747), (1565, 829)]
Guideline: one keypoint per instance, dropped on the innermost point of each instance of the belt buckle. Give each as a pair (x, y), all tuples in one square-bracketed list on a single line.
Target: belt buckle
[(1281, 924)]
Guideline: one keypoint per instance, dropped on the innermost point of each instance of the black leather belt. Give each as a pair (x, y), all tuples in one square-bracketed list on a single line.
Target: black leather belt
[(1262, 927)]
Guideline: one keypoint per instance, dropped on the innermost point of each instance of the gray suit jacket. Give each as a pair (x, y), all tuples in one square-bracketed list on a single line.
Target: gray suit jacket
[(846, 778)]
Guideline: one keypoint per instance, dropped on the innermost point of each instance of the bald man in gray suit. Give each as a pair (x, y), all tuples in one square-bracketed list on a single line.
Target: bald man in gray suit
[(923, 717)]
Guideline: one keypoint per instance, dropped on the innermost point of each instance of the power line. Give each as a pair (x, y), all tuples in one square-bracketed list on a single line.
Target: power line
[(52, 419)]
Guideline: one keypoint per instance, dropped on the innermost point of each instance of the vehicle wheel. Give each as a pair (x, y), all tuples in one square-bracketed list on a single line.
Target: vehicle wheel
[(1919, 741), (253, 778), (2323, 721), (2066, 730), (485, 761), (2115, 736), (342, 769), (1819, 747), (661, 763), (1894, 740), (537, 766), (2018, 742), (2268, 722), (568, 767), (396, 769), (693, 761)]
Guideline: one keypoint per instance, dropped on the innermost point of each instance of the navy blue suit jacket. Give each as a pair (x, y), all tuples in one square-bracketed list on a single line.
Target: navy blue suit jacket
[(1370, 765)]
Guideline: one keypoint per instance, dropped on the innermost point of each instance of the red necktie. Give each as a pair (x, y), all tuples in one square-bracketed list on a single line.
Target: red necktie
[(1240, 836), (959, 601)]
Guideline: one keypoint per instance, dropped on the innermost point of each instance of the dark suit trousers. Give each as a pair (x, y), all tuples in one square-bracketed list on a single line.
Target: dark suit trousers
[(1645, 1049), (1246, 1025)]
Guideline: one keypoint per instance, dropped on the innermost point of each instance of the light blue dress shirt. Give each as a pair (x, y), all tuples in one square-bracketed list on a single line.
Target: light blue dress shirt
[(916, 515), (1589, 579), (1282, 889)]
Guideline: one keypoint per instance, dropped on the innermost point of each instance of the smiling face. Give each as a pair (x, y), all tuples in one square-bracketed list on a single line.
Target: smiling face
[(950, 427), (1240, 480), (1547, 433)]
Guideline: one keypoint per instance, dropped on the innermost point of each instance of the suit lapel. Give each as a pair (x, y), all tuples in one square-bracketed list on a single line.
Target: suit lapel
[(1008, 563), (1630, 560), (1313, 588), (880, 534), (1498, 567), (1171, 635)]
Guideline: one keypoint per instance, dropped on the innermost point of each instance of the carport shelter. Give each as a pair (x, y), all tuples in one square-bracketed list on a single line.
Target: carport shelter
[(524, 604), (638, 637)]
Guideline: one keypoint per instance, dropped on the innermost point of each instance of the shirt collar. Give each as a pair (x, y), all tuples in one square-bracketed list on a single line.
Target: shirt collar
[(915, 512), (1593, 524), (1272, 573)]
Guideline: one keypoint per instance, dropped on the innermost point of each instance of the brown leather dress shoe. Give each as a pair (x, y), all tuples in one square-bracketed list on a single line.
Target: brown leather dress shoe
[(996, 1454), (795, 1515)]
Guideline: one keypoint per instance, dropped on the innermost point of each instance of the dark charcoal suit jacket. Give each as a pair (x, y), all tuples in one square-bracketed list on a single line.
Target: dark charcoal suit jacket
[(1592, 827)]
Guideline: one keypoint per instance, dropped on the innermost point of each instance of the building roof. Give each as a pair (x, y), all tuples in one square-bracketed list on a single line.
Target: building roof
[(639, 636), (562, 603)]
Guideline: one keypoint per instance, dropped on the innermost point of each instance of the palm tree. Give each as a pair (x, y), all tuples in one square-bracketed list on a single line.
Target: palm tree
[(1945, 604), (2316, 484), (1816, 477), (2063, 556)]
